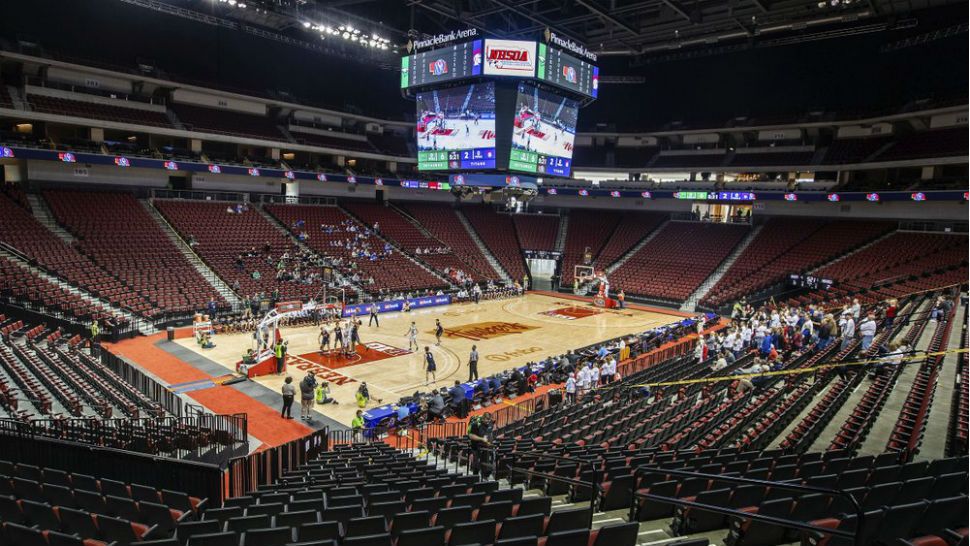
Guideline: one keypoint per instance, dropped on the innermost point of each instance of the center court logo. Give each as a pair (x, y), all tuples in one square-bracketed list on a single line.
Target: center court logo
[(486, 330)]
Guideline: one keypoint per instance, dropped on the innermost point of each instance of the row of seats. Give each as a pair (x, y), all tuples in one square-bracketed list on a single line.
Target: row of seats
[(98, 110), (25, 287), (408, 237), (394, 271), (21, 230), (119, 234), (677, 260), (222, 238), (443, 223), (789, 245), (57, 507), (537, 231)]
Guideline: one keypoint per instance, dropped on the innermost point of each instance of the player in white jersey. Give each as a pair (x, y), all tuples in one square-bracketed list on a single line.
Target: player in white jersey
[(413, 337)]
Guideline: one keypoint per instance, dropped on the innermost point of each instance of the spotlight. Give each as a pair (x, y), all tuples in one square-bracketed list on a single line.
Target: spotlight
[(306, 24)]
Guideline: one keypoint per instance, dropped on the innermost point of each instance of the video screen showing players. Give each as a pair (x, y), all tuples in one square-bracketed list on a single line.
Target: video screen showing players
[(456, 128), (543, 132)]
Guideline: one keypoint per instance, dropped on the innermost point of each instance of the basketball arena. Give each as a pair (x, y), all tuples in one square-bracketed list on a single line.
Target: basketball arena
[(432, 273)]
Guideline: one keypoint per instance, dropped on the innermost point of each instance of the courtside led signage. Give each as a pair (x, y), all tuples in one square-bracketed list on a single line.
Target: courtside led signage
[(171, 166), (646, 195), (791, 197), (322, 177), (215, 169), (872, 197), (67, 157), (552, 191), (253, 171), (122, 161), (920, 196), (6, 152), (834, 197)]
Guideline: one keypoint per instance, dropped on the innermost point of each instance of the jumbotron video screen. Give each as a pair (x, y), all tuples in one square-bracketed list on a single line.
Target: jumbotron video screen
[(543, 132), (456, 128)]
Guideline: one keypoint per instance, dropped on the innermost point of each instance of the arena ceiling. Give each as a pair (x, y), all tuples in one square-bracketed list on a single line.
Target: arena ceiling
[(631, 28)]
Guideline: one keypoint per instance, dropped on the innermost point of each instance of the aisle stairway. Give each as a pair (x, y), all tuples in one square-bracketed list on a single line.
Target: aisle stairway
[(144, 326), (636, 248), (38, 207), (214, 280), (706, 286), (481, 247)]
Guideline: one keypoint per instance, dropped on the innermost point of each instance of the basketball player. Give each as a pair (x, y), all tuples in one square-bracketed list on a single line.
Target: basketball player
[(413, 337), (338, 337), (438, 331), (324, 339), (430, 366)]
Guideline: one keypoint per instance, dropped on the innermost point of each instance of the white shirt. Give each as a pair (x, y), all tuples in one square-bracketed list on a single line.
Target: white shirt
[(570, 385), (848, 330), (867, 327), (594, 376)]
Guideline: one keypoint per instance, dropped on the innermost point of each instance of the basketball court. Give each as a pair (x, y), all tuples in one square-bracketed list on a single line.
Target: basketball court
[(508, 333)]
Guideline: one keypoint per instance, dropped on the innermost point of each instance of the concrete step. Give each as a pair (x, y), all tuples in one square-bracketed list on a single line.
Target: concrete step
[(938, 420), (636, 248), (43, 214), (482, 248), (208, 274), (709, 283)]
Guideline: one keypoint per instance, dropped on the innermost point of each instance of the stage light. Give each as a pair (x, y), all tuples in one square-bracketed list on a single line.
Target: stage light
[(346, 36), (306, 24), (232, 2)]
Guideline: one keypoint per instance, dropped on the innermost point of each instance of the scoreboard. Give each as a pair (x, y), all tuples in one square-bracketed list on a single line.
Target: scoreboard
[(454, 62), (566, 71), (498, 105)]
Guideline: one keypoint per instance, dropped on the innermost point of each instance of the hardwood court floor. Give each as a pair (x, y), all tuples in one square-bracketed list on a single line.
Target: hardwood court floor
[(507, 332)]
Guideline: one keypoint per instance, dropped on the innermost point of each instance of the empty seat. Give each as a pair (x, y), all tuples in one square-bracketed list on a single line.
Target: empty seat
[(273, 536)]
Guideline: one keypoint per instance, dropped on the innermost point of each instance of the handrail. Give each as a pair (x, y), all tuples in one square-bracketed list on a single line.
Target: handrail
[(860, 514)]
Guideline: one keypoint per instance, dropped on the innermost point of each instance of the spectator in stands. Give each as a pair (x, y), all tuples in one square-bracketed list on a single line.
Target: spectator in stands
[(847, 326), (855, 309), (867, 330), (289, 393), (307, 386), (571, 388), (892, 307), (827, 330)]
